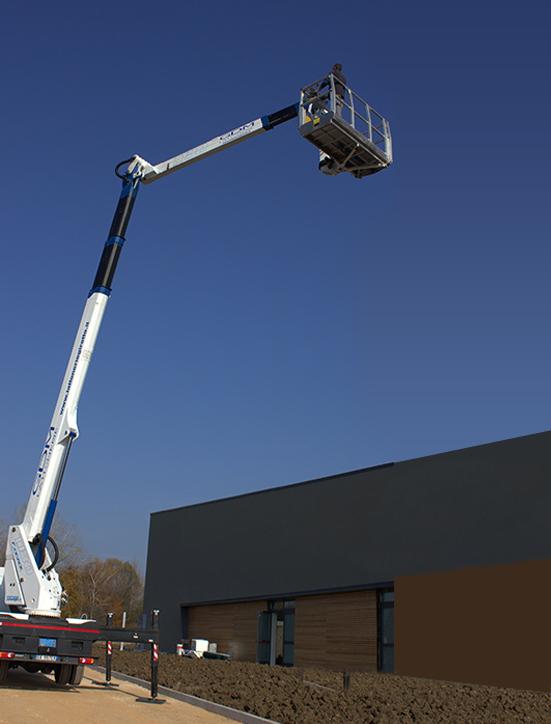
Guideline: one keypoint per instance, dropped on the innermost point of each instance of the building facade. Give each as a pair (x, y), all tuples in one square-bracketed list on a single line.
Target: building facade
[(436, 567)]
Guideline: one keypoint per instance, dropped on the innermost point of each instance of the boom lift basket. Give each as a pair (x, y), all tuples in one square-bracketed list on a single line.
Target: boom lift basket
[(350, 134)]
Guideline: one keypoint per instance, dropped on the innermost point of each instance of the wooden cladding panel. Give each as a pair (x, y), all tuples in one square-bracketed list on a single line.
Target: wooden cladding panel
[(337, 631), (245, 625), (232, 626)]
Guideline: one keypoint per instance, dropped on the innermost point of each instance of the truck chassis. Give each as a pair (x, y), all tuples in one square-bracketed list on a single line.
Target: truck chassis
[(62, 646)]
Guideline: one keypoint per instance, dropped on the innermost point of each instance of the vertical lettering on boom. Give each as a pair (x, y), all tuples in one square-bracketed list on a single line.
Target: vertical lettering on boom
[(44, 461), (74, 368)]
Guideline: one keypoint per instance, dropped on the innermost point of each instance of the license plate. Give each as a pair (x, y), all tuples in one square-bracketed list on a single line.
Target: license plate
[(48, 643), (45, 657)]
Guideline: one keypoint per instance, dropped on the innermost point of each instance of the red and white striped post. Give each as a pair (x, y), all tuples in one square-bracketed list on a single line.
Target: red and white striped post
[(154, 657), (108, 653), (108, 661), (153, 697), (154, 670), (108, 656)]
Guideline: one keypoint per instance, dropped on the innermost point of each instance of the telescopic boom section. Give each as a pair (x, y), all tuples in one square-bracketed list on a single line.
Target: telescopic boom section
[(63, 428), (30, 581), (215, 145)]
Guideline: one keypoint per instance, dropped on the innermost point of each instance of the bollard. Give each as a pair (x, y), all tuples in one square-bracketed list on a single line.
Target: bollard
[(153, 698), (154, 670), (108, 659), (108, 656), (121, 646), (346, 680)]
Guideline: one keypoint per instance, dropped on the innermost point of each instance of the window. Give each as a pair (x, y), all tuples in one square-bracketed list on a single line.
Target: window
[(385, 630)]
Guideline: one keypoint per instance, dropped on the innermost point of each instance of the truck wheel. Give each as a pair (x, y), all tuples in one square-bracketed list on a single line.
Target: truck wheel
[(4, 666), (76, 674), (62, 674)]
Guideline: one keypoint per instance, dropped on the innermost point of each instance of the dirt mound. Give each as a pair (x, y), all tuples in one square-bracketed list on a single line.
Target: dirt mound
[(311, 696)]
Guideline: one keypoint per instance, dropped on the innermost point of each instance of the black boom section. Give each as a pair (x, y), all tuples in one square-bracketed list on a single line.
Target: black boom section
[(124, 208), (108, 264), (285, 114), (112, 249)]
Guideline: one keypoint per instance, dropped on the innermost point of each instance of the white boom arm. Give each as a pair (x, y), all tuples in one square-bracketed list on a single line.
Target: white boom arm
[(29, 581), (25, 584), (150, 173), (63, 428)]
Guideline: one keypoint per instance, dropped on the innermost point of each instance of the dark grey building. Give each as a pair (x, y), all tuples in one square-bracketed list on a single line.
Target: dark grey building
[(351, 571)]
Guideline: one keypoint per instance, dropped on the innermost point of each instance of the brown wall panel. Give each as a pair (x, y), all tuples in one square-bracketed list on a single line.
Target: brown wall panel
[(487, 624), (233, 626), (337, 631)]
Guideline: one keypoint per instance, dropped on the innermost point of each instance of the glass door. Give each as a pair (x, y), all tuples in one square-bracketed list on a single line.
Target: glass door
[(264, 638), (276, 634), (385, 630), (288, 654)]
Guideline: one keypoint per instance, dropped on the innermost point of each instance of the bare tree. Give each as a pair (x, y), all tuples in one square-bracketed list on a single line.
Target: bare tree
[(103, 586), (68, 541), (64, 533)]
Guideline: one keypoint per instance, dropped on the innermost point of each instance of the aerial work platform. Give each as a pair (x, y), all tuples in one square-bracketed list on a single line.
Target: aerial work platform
[(350, 134)]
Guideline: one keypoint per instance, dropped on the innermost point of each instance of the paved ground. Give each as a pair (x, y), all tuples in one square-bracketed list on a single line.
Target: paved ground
[(27, 698)]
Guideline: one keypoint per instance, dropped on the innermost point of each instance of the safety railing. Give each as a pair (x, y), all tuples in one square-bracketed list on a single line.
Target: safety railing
[(331, 95)]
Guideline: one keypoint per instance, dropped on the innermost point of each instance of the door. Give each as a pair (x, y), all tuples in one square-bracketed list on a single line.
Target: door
[(288, 637), (385, 630), (264, 638), (276, 634)]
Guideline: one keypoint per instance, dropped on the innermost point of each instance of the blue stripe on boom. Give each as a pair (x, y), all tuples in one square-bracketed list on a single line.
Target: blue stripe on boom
[(39, 553), (101, 290), (114, 240)]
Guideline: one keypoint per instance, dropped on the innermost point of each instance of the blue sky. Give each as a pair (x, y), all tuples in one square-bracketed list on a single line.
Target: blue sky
[(268, 324)]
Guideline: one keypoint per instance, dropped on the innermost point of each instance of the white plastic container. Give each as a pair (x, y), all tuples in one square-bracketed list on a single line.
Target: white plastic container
[(200, 645)]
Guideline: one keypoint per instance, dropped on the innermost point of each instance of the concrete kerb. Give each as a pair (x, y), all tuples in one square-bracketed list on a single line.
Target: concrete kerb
[(227, 711)]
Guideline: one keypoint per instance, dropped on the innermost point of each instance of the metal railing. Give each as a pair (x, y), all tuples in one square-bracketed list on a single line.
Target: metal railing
[(331, 95)]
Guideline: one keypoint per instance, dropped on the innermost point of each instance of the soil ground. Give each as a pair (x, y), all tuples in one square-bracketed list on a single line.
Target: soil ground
[(311, 696), (27, 698)]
